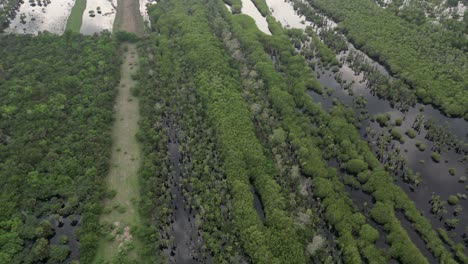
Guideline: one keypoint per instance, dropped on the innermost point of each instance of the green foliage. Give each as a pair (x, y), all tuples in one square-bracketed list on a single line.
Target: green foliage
[(236, 5), (75, 19), (326, 55), (428, 57), (59, 93), (332, 40), (356, 166), (452, 171), (40, 251), (411, 133), (8, 8), (368, 233), (435, 156), (382, 119), (123, 36), (206, 63), (58, 254), (398, 122), (262, 7), (452, 200), (45, 230), (396, 135), (287, 92), (421, 146), (336, 131), (279, 136)]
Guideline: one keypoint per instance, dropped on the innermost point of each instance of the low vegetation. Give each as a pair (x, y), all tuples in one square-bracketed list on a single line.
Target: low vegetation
[(75, 19)]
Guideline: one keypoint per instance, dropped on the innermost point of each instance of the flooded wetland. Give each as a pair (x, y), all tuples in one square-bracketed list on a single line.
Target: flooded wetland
[(235, 131)]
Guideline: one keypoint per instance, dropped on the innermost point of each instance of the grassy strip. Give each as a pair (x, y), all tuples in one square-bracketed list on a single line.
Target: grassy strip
[(123, 174), (76, 16)]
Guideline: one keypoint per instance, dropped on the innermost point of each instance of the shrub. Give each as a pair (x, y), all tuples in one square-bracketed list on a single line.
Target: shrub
[(435, 156), (123, 36), (452, 200), (411, 133), (356, 166), (398, 122), (421, 146), (452, 171), (397, 135)]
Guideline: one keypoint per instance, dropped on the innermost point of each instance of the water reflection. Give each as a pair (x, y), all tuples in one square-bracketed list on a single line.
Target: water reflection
[(98, 16), (251, 10), (41, 15), (144, 11), (284, 13)]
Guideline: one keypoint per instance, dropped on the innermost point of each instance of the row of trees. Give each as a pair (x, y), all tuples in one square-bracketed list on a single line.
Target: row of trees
[(185, 34), (272, 132), (167, 95), (395, 91), (336, 133), (423, 57), (440, 15), (286, 92)]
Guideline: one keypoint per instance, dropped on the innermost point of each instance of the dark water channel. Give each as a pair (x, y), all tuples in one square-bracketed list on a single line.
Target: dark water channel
[(186, 239), (257, 203)]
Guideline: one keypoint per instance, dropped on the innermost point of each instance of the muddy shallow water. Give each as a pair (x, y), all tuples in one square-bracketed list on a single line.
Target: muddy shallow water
[(104, 15), (41, 15)]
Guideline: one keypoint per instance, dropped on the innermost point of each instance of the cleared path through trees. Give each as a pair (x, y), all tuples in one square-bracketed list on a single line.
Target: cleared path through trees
[(120, 213)]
